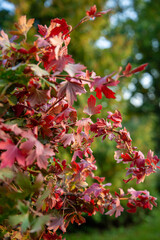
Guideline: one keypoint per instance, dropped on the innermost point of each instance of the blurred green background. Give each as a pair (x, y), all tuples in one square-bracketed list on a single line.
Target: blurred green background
[(130, 33)]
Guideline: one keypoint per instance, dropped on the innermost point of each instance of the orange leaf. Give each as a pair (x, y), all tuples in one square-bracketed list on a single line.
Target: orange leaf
[(23, 26)]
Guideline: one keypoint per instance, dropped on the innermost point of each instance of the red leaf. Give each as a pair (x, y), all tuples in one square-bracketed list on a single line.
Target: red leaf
[(98, 93), (140, 68), (92, 109), (61, 27), (84, 122), (71, 89), (106, 91), (116, 118), (93, 12), (42, 30), (132, 208), (11, 154), (57, 222), (128, 72), (36, 150), (38, 97), (67, 139), (42, 157)]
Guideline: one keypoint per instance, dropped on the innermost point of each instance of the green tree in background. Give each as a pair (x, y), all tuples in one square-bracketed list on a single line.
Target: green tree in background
[(103, 60), (144, 31)]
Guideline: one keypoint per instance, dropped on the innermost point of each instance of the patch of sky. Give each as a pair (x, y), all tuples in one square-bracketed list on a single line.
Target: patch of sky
[(139, 56), (146, 80), (132, 87), (7, 6), (103, 43), (48, 3), (127, 13), (134, 80), (155, 44), (155, 73), (126, 93), (151, 95), (137, 100)]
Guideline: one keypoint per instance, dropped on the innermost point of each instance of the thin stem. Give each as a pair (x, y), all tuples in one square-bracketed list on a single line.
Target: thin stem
[(79, 78), (85, 19), (123, 198), (54, 105)]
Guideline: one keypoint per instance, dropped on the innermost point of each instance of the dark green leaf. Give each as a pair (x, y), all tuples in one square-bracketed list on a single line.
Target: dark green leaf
[(12, 100), (43, 197)]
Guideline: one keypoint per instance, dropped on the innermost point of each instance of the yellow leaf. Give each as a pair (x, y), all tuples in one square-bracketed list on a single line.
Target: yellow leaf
[(23, 26)]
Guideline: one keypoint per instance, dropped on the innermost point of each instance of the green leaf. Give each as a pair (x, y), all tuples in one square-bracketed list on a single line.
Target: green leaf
[(43, 197), (22, 218), (14, 74), (3, 82), (10, 88), (38, 71), (24, 182), (39, 223), (20, 122), (12, 100), (6, 173), (3, 108), (23, 208), (25, 223)]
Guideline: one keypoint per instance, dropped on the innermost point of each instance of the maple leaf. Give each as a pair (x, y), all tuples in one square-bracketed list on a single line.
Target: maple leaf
[(128, 72), (60, 26), (11, 154), (35, 150), (67, 139), (41, 157), (72, 69), (55, 223), (92, 109), (106, 91), (38, 71), (38, 97), (93, 12), (13, 127), (4, 136), (132, 207), (70, 89), (23, 26), (4, 41), (107, 80), (66, 112), (95, 189), (115, 208), (56, 40), (42, 43), (42, 29), (84, 122), (116, 118), (101, 86)]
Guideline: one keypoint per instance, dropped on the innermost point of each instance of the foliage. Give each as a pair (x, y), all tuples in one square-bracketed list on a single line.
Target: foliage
[(147, 85), (40, 192)]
